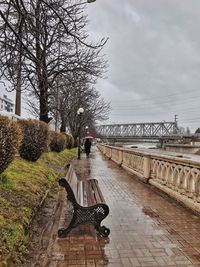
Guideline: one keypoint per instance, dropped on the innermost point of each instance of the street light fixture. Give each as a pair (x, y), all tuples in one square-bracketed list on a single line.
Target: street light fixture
[(79, 113), (86, 130)]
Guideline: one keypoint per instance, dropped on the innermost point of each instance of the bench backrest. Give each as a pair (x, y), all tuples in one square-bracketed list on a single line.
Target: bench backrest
[(85, 192), (74, 183), (72, 179), (93, 192)]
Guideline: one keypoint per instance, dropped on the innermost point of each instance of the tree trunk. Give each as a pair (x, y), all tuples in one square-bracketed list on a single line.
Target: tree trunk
[(41, 69), (44, 109), (63, 126), (75, 141), (18, 94), (19, 80)]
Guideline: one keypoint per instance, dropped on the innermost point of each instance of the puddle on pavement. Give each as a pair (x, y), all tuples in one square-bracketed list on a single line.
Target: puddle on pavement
[(148, 211)]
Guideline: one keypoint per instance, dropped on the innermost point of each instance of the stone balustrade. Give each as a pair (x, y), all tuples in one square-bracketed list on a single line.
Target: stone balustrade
[(178, 177)]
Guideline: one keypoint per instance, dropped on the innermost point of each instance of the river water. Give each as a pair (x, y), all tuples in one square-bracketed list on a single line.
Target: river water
[(140, 145)]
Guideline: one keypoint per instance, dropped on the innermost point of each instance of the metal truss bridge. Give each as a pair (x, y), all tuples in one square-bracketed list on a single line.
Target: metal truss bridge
[(151, 130)]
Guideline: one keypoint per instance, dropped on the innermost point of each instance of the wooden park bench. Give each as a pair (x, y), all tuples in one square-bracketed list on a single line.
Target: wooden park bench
[(89, 206)]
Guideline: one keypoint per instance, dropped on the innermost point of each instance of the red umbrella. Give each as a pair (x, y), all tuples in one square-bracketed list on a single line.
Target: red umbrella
[(89, 137)]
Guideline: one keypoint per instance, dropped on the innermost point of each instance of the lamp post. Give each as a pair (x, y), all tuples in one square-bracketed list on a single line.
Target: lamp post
[(86, 129), (79, 113)]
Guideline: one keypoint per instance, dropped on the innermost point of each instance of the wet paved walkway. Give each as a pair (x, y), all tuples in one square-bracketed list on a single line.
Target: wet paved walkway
[(147, 228)]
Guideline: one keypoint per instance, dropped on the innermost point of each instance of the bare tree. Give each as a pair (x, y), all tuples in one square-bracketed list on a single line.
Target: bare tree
[(40, 43), (82, 95)]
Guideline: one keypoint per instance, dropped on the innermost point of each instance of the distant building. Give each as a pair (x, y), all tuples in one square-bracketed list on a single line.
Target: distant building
[(6, 104), (10, 115)]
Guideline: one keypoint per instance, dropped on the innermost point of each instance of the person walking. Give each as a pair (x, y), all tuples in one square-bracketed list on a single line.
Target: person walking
[(87, 147)]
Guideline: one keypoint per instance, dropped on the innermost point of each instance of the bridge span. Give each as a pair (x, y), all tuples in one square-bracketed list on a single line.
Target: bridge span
[(150, 130)]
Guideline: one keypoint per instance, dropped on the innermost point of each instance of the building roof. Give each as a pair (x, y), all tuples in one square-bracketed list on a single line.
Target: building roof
[(5, 98)]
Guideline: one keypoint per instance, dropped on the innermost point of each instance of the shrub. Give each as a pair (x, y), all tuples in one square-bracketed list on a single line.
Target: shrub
[(35, 139), (57, 141), (10, 137), (70, 141)]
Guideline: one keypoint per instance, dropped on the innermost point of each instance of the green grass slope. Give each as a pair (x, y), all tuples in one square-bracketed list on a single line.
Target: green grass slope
[(22, 187)]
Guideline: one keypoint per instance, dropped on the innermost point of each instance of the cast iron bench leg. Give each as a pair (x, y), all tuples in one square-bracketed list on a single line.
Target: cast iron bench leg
[(92, 215)]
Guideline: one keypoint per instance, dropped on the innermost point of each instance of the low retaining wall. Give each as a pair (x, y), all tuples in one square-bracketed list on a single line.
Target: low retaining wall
[(192, 149), (178, 177)]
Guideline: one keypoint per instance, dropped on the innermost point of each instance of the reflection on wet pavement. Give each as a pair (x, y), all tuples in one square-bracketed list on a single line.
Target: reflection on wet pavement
[(147, 228)]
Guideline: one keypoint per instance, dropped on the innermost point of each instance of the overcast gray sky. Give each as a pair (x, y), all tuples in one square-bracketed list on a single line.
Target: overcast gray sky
[(154, 59)]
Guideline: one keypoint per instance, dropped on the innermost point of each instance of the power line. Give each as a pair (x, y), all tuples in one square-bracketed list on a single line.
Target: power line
[(168, 95), (182, 101)]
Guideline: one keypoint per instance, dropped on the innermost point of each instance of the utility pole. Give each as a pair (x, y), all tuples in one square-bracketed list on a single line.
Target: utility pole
[(57, 86), (176, 118), (176, 123), (18, 87), (79, 113), (18, 96)]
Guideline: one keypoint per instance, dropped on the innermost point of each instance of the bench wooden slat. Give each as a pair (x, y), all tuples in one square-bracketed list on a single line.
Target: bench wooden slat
[(85, 199), (90, 194), (96, 190), (80, 194), (93, 194), (100, 195), (72, 180)]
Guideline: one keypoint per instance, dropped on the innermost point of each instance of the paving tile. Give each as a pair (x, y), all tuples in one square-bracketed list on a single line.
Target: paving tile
[(90, 263), (126, 262), (145, 259), (135, 262), (147, 228), (62, 264)]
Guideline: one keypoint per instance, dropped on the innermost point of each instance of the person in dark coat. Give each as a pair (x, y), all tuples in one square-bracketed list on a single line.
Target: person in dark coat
[(87, 146)]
